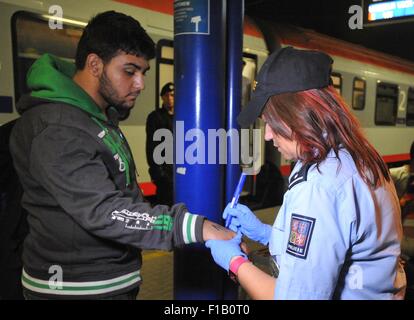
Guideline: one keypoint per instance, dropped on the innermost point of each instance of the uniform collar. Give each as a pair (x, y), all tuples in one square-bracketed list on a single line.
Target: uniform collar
[(300, 176)]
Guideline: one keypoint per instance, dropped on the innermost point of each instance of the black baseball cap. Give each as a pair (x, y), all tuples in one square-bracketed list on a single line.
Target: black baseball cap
[(286, 70), (168, 87)]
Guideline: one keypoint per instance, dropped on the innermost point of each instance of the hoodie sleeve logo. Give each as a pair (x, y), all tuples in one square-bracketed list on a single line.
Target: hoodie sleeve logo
[(143, 221), (134, 220)]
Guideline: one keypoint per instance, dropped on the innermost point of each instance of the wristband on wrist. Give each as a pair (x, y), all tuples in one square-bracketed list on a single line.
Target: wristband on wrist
[(234, 267)]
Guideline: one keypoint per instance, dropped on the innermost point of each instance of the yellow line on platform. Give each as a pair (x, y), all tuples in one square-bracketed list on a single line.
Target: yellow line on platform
[(148, 255)]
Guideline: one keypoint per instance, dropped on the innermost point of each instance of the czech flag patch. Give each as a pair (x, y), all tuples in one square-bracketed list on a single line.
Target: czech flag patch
[(301, 229)]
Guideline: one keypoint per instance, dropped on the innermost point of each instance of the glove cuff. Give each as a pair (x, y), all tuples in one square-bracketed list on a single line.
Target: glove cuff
[(267, 230)]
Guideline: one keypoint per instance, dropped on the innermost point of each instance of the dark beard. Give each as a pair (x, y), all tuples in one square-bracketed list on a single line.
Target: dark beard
[(108, 93)]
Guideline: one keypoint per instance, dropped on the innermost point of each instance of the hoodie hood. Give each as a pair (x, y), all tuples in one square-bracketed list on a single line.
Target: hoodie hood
[(50, 78)]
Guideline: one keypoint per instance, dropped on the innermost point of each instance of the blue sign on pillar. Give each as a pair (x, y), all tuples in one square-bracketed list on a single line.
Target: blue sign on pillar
[(191, 17)]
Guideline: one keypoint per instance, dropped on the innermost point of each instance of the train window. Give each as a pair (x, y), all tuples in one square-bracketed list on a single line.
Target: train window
[(167, 52), (165, 67), (33, 37), (358, 94), (410, 107), (337, 81), (386, 104)]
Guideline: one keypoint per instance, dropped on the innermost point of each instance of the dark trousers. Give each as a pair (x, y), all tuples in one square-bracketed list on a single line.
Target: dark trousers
[(130, 295)]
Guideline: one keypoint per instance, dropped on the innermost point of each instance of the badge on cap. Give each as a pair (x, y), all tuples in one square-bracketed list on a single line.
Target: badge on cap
[(301, 229)]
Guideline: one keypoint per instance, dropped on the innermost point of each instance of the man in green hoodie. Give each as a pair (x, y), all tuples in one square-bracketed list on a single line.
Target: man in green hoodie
[(87, 218)]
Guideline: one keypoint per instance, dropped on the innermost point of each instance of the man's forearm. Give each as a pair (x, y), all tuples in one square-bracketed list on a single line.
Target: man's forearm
[(214, 231)]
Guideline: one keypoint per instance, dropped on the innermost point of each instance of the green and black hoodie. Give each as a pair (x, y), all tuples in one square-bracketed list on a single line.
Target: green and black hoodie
[(88, 220)]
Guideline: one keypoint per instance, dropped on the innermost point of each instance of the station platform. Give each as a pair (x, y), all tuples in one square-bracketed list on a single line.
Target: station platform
[(157, 271)]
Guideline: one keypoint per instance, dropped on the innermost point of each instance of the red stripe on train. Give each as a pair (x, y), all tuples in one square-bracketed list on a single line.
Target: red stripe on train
[(251, 29), (396, 157), (163, 6)]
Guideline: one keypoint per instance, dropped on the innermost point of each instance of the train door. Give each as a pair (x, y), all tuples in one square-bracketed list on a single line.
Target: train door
[(410, 107)]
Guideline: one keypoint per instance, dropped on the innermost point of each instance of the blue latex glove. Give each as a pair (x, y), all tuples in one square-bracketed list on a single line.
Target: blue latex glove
[(244, 220), (223, 250)]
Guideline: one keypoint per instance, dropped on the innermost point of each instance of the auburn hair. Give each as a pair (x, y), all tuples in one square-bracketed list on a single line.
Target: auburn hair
[(320, 120)]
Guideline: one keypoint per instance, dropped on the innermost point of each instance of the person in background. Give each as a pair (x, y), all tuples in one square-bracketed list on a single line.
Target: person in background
[(407, 209), (337, 234), (88, 220), (407, 243), (400, 175), (161, 118)]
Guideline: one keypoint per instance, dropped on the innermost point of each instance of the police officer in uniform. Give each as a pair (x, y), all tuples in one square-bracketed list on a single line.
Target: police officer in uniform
[(338, 232), (161, 118)]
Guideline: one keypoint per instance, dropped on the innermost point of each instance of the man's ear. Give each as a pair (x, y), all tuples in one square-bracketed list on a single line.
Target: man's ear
[(94, 65)]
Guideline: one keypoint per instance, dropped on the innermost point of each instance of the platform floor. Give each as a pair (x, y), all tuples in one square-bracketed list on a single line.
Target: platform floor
[(157, 270)]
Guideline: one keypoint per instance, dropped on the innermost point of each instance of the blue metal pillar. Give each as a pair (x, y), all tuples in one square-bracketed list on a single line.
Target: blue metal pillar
[(199, 76), (235, 15)]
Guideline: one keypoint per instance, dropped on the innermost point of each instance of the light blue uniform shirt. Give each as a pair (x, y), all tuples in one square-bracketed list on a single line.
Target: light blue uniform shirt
[(335, 238)]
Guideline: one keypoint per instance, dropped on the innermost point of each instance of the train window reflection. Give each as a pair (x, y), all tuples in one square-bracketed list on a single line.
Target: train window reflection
[(410, 107), (337, 81), (33, 37), (386, 104), (358, 94)]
